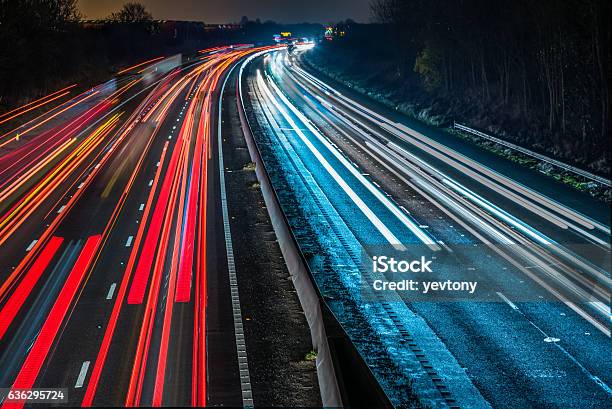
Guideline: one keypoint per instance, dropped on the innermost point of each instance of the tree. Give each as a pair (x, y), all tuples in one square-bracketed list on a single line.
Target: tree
[(26, 16), (131, 13), (30, 43), (429, 65), (536, 69)]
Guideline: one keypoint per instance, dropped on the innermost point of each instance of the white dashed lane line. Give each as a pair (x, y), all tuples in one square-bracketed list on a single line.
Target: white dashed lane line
[(81, 379), (111, 291), (31, 246), (507, 301)]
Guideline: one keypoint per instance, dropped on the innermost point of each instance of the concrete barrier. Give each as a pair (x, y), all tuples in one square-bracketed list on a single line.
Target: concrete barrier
[(296, 264)]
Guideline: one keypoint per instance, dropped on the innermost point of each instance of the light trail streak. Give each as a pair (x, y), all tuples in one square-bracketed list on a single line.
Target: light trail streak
[(169, 305), (112, 323), (15, 217), (60, 136), (15, 302), (38, 353), (73, 199), (123, 289), (65, 161), (409, 135), (139, 65), (165, 205), (37, 100), (365, 209), (529, 253), (183, 288), (38, 124), (8, 283), (143, 269), (495, 210), (34, 107), (41, 164)]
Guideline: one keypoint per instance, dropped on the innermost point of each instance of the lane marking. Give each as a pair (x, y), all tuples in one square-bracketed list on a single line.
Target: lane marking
[(243, 365), (598, 381), (61, 209), (31, 246), (111, 291), (507, 301), (42, 345), (141, 207), (425, 239), (81, 379), (128, 243), (150, 182), (361, 205), (540, 199)]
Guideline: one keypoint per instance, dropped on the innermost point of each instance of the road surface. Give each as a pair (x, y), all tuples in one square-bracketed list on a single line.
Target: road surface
[(118, 277), (357, 181), (113, 261)]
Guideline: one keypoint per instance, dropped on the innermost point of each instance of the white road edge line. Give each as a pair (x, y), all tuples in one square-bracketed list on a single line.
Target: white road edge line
[(243, 365)]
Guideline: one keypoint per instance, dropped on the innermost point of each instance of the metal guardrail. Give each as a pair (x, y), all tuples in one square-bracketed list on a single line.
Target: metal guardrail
[(554, 162)]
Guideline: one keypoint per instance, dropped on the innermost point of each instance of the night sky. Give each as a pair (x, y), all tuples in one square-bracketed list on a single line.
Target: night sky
[(282, 11)]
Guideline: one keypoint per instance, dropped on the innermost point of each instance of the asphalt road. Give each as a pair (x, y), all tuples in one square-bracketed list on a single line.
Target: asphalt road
[(113, 263), (364, 181), (114, 256)]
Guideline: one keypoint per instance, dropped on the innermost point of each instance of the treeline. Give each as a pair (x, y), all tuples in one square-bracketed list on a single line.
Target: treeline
[(538, 70), (264, 31), (44, 44)]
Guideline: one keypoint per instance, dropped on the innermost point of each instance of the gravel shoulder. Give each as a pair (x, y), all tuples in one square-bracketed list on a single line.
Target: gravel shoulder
[(277, 334)]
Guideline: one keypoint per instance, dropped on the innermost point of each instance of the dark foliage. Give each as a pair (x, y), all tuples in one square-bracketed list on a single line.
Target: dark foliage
[(538, 71), (263, 32), (131, 13), (44, 46)]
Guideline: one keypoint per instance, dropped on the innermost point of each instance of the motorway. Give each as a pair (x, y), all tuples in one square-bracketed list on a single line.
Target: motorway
[(113, 257), (356, 180), (116, 266)]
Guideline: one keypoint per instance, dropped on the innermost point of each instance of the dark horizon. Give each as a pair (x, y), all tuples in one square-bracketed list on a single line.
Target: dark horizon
[(231, 11)]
